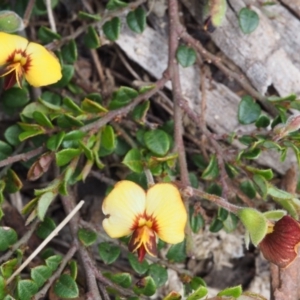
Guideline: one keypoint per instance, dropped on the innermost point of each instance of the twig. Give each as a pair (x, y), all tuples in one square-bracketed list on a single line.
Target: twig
[(21, 157), (28, 12), (41, 294), (46, 241), (20, 242), (50, 15)]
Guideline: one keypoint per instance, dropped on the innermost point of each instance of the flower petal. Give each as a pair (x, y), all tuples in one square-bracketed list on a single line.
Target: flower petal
[(165, 205), (123, 204), (44, 68), (281, 246), (9, 44)]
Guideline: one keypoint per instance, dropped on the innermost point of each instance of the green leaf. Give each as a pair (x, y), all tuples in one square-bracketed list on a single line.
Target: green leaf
[(5, 150), (230, 223), (139, 267), (112, 29), (133, 160), (45, 228), (11, 134), (14, 98), (140, 111), (248, 110), (67, 75), (145, 286), (73, 269), (248, 188), (66, 287), (70, 104), (2, 288), (186, 56), (12, 182), (55, 141), (212, 170), (234, 292), (43, 204), (10, 22), (46, 35), (122, 279), (73, 139), (252, 154), (198, 294), (109, 253), (173, 296), (87, 237), (277, 100), (177, 252), (159, 274), (136, 20), (275, 215), (216, 225), (255, 223), (108, 139), (26, 289), (261, 182), (64, 156), (40, 275), (92, 106), (115, 4), (69, 52), (53, 262), (157, 141), (8, 267), (196, 220), (248, 20), (91, 38), (122, 97), (42, 119), (88, 17), (7, 238), (267, 173), (262, 122)]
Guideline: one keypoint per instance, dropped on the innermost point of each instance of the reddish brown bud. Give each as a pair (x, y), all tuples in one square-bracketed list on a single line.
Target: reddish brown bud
[(40, 167), (281, 245)]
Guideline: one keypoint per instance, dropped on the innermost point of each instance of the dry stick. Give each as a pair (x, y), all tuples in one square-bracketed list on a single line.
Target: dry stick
[(50, 15), (46, 241), (28, 12), (177, 96), (93, 291), (126, 109), (21, 157), (20, 242), (41, 294)]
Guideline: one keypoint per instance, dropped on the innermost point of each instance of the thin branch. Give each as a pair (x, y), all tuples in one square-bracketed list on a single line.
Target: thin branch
[(28, 12), (46, 241), (50, 15), (42, 293)]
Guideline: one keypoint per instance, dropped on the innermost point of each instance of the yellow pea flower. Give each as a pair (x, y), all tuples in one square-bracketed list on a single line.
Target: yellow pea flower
[(19, 58), (157, 212)]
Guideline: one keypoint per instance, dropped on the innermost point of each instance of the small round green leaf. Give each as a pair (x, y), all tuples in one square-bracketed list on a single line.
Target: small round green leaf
[(66, 287), (136, 20), (67, 74), (186, 56), (248, 188), (112, 29), (53, 262), (64, 156), (7, 238), (157, 141), (91, 38), (11, 134), (45, 228), (40, 275), (212, 170), (122, 279), (69, 52), (139, 267), (255, 223), (196, 220), (55, 140), (15, 97), (108, 252), (87, 237), (234, 292), (248, 111), (26, 289), (248, 20), (216, 225), (43, 204), (115, 4), (262, 122), (133, 160), (46, 35), (159, 274), (198, 294), (145, 286), (10, 21), (177, 252)]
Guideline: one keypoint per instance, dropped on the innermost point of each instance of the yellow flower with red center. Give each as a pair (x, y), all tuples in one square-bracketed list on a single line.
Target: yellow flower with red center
[(157, 212), (19, 58)]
